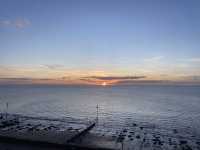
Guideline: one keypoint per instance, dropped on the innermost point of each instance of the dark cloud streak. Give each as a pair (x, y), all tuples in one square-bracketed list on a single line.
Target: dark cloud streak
[(116, 77)]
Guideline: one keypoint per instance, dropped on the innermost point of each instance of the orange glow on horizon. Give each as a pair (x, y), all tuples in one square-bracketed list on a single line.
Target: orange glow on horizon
[(104, 84), (63, 76)]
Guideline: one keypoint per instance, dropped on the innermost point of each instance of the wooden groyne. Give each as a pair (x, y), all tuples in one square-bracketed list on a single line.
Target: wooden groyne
[(49, 133), (85, 131)]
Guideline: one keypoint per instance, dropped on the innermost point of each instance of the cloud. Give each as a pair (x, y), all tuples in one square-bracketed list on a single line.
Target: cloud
[(15, 80), (5, 22), (110, 80), (192, 78), (197, 60), (68, 78), (54, 66), (87, 79), (17, 23), (21, 23), (116, 77), (24, 79), (131, 82), (154, 59)]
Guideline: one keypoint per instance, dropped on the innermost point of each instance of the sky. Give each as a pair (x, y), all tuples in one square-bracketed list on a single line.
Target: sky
[(99, 41)]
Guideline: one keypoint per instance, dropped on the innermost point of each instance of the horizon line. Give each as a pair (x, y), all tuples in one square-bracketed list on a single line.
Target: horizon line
[(95, 82)]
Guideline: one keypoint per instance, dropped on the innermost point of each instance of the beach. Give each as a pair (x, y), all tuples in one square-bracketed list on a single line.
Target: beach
[(54, 133)]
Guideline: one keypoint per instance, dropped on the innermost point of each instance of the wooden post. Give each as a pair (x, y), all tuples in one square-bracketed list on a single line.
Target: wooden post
[(6, 109), (97, 119)]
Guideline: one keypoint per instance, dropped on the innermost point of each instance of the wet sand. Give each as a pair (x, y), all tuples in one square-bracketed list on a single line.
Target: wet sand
[(53, 132), (137, 136)]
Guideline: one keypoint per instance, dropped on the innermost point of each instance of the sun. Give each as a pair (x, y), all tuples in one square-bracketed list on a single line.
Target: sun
[(104, 84)]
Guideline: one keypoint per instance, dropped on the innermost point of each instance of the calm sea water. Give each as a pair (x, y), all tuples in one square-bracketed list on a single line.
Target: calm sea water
[(167, 106)]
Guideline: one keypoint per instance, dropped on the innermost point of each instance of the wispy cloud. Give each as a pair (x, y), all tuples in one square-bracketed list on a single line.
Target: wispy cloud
[(196, 60), (21, 23), (27, 80), (24, 79), (54, 66), (194, 78), (154, 59), (116, 77), (17, 23), (110, 79), (5, 22), (131, 82)]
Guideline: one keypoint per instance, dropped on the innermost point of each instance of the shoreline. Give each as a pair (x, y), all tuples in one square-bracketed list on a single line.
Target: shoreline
[(68, 134), (46, 132)]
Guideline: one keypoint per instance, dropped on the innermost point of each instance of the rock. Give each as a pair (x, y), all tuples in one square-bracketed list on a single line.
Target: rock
[(183, 142), (129, 136), (132, 132), (188, 147), (138, 136), (134, 124), (125, 130), (175, 131), (198, 142), (114, 136)]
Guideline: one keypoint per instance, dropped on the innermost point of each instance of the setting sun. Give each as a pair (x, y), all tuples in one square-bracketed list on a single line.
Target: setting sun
[(104, 84)]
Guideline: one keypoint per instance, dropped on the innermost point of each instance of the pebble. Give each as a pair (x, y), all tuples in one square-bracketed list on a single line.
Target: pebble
[(134, 124), (138, 136), (129, 136), (125, 130), (183, 142), (114, 136), (175, 131), (198, 142), (187, 148)]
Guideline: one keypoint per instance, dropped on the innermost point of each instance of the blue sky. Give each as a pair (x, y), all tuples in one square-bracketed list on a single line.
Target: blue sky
[(155, 38)]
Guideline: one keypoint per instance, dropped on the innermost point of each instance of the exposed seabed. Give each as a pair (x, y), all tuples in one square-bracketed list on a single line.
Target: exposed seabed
[(23, 132)]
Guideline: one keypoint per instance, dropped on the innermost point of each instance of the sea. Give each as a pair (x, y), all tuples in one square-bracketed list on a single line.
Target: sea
[(167, 106)]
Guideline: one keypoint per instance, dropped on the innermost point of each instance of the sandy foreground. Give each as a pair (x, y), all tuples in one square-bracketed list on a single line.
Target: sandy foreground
[(45, 133)]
